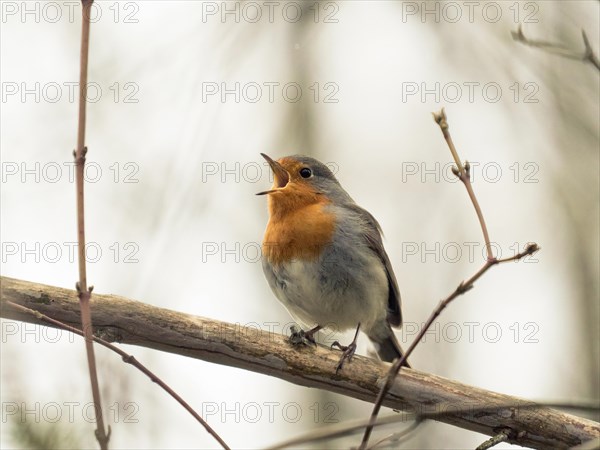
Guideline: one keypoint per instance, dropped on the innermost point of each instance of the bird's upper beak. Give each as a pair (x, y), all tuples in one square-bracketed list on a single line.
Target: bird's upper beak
[(282, 177)]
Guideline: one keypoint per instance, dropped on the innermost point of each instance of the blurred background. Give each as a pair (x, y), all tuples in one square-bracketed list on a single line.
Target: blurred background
[(184, 96)]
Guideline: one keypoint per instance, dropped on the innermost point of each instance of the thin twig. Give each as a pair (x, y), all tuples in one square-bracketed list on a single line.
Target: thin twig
[(495, 440), (399, 436), (464, 175), (588, 54), (462, 172), (83, 292), (348, 428), (129, 359)]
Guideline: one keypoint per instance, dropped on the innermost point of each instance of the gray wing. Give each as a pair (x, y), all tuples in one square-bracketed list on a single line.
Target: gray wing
[(372, 234)]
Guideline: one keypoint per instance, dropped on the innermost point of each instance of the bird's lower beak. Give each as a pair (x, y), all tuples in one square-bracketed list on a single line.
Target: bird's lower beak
[(281, 176)]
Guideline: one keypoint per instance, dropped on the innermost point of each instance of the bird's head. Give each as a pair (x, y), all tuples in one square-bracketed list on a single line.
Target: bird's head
[(301, 181)]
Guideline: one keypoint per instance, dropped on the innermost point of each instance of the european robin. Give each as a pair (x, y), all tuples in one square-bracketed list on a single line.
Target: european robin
[(324, 259)]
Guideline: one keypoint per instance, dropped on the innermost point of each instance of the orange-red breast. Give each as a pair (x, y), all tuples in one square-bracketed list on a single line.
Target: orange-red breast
[(324, 259)]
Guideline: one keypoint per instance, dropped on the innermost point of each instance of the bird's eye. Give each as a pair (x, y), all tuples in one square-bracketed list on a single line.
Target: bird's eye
[(305, 172)]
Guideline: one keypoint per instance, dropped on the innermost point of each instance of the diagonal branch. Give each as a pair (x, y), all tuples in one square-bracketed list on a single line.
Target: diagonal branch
[(462, 172), (129, 359), (269, 353), (587, 55), (83, 292), (502, 436)]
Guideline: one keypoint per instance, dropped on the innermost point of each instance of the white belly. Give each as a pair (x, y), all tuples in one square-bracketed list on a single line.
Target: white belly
[(333, 296)]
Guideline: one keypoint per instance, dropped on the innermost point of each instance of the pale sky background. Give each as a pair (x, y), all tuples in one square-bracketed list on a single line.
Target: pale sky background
[(174, 168)]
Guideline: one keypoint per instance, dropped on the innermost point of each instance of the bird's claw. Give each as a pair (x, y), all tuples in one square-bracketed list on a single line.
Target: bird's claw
[(348, 353), (301, 337)]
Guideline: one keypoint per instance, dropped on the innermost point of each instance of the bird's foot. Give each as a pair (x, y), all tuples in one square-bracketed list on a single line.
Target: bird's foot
[(348, 353), (301, 337)]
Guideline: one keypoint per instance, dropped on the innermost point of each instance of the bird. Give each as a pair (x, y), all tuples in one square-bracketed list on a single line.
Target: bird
[(323, 258)]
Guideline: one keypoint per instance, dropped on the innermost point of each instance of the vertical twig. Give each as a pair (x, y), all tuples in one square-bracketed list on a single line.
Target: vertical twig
[(462, 172), (84, 293), (464, 175)]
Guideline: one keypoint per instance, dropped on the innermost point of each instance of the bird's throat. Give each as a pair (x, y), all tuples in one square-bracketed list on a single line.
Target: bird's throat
[(297, 232)]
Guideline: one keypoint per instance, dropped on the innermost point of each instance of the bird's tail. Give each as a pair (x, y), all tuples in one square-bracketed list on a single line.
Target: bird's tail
[(388, 348)]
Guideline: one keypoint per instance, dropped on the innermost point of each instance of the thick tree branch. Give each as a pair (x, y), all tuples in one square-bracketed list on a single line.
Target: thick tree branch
[(136, 323)]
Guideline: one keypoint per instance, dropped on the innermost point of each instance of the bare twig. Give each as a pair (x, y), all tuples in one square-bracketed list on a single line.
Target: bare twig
[(464, 175), (269, 353), (462, 172), (495, 440), (345, 429), (129, 359), (83, 292), (396, 438), (587, 55)]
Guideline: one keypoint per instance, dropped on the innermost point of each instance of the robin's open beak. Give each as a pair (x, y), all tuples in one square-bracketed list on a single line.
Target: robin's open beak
[(282, 177)]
